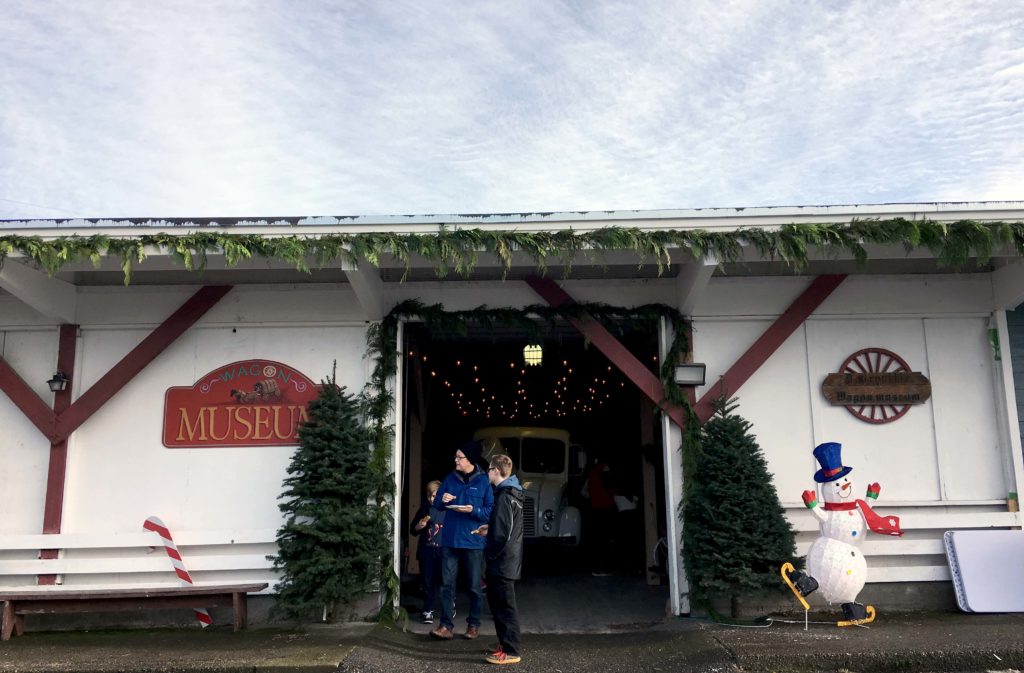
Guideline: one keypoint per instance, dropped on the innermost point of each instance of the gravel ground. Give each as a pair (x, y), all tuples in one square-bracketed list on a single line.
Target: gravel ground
[(934, 641)]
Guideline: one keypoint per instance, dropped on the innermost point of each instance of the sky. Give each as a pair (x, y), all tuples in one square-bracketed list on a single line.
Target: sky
[(136, 108)]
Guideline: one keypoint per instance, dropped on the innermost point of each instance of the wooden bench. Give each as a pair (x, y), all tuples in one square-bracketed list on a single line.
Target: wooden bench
[(97, 572), (16, 604)]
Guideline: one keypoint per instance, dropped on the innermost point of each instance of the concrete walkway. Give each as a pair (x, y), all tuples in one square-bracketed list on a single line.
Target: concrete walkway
[(551, 604), (895, 642)]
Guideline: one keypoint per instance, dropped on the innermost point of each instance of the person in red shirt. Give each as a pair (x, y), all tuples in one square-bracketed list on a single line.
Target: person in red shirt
[(600, 488)]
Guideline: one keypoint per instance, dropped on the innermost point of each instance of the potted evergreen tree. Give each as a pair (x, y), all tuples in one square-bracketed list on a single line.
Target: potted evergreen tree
[(331, 543), (735, 532)]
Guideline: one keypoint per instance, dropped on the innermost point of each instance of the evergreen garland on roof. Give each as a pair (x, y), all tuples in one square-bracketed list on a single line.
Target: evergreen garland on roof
[(458, 250)]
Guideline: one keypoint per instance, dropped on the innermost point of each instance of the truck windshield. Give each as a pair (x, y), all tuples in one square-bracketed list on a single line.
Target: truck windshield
[(542, 456), (510, 447)]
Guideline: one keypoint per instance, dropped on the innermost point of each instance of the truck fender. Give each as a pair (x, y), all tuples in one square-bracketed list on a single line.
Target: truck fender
[(569, 523)]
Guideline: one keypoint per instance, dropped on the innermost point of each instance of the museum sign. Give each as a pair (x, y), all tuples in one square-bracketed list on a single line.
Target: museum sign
[(876, 385), (247, 403)]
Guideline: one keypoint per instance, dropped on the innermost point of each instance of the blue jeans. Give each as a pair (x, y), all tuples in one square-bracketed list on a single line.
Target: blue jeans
[(471, 561)]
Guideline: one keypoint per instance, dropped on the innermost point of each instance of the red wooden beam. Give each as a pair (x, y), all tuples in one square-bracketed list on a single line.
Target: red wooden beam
[(787, 323), (649, 384), (35, 409), (134, 362), (53, 506), (58, 424)]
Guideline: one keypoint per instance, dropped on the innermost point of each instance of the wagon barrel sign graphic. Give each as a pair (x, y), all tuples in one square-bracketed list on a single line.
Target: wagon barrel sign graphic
[(877, 386), (247, 403)]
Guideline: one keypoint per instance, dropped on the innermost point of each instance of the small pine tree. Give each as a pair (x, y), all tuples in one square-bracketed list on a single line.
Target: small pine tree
[(735, 533), (330, 545)]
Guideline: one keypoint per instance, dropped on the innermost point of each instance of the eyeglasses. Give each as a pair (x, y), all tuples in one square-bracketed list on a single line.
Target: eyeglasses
[(493, 469), (460, 457)]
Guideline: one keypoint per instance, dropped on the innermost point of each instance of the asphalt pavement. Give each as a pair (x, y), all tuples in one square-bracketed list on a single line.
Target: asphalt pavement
[(934, 641)]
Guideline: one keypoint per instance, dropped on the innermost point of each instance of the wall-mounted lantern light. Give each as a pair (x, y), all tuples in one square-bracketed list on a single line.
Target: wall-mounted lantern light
[(58, 383), (533, 354), (690, 374)]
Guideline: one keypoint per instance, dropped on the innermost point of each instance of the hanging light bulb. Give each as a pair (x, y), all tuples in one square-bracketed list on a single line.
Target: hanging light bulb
[(533, 355)]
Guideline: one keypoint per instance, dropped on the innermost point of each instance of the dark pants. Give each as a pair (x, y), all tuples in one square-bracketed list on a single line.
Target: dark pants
[(501, 597), (430, 574), (471, 561)]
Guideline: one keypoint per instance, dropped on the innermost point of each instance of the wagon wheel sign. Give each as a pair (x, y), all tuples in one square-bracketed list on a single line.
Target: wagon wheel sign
[(876, 385)]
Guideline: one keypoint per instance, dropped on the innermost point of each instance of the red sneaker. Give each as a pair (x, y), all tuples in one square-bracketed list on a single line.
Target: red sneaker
[(502, 658)]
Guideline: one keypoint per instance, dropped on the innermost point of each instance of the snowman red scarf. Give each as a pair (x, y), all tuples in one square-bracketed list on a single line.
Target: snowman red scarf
[(886, 525)]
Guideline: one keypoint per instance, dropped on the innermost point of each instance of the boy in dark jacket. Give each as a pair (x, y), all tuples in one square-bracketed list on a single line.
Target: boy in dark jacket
[(504, 552), (467, 497), (427, 526)]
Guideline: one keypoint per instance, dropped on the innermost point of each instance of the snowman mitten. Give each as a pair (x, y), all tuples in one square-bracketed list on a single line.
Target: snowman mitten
[(804, 583), (810, 499), (873, 490)]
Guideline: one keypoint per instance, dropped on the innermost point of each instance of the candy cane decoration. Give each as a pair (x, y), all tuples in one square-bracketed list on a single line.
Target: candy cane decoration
[(157, 526)]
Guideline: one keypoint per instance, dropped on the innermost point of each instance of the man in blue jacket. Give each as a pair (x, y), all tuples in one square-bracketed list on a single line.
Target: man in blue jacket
[(467, 496)]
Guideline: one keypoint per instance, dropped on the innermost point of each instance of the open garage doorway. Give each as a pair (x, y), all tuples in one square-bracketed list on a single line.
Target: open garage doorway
[(558, 407)]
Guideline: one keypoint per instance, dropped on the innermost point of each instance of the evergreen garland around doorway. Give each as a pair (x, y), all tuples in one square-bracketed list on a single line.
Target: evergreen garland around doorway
[(382, 349), (331, 542), (735, 532)]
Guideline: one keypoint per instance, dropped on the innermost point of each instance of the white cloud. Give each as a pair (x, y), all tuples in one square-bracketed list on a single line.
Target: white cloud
[(288, 108)]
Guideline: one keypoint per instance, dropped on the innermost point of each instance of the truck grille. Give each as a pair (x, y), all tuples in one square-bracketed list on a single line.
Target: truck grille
[(529, 517)]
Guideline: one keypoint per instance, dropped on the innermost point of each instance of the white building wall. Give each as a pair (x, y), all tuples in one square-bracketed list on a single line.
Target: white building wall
[(942, 458), (118, 471), (24, 452), (926, 453), (462, 296)]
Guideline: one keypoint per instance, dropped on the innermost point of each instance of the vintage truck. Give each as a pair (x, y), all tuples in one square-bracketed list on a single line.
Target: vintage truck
[(544, 460)]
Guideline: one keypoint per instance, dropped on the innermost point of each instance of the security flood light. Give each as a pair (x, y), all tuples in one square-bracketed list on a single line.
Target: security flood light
[(690, 374)]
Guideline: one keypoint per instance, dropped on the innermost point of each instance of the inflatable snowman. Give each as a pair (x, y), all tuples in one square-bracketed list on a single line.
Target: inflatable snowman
[(835, 564)]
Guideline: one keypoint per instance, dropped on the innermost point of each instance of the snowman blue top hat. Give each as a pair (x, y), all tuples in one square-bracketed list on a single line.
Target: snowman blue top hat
[(831, 460)]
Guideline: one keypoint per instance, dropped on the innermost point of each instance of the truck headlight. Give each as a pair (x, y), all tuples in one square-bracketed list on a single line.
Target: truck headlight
[(547, 526), (549, 516)]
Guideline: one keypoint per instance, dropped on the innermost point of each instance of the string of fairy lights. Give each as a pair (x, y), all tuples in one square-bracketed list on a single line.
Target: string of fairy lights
[(495, 388)]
